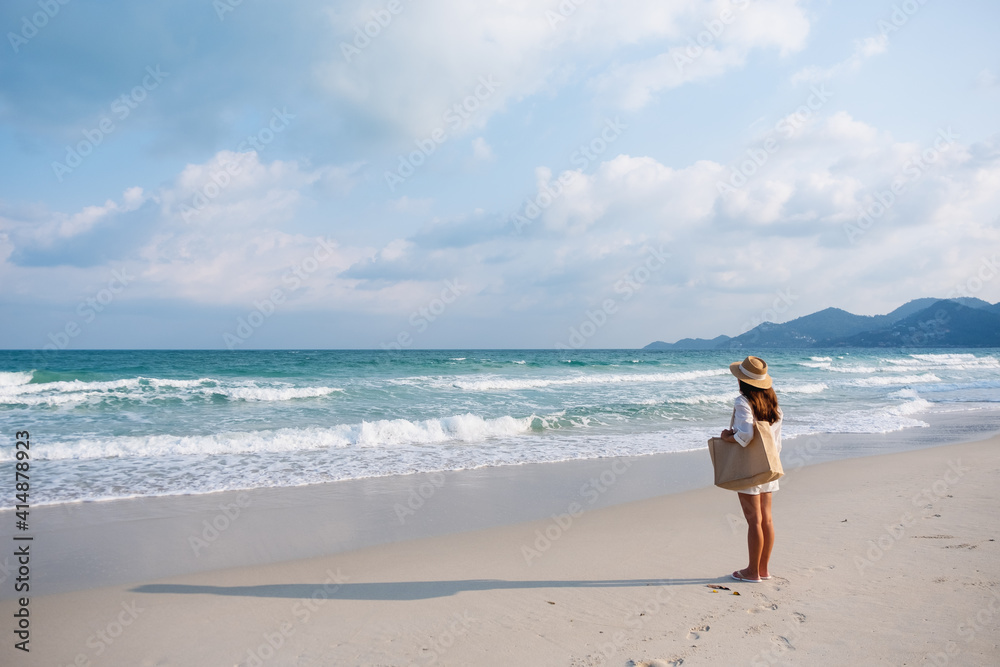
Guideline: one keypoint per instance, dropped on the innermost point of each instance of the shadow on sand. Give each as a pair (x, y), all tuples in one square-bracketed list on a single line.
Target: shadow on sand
[(403, 590)]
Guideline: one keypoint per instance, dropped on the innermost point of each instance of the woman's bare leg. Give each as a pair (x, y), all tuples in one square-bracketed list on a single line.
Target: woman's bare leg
[(755, 533), (767, 529)]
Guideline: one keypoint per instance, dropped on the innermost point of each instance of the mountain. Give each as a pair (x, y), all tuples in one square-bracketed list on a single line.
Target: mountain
[(928, 322), (716, 343), (943, 324)]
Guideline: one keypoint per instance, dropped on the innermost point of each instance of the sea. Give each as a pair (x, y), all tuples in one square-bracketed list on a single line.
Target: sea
[(120, 424)]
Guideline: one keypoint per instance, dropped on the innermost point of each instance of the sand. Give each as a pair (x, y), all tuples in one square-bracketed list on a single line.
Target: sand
[(889, 559)]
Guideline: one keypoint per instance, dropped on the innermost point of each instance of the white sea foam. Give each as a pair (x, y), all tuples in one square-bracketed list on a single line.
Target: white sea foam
[(863, 369), (15, 378), (959, 386), (381, 433), (487, 383), (69, 392), (582, 409), (255, 393), (699, 399), (889, 380), (815, 388)]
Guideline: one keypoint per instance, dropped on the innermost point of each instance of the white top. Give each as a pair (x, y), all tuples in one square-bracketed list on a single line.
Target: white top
[(743, 424), (743, 433)]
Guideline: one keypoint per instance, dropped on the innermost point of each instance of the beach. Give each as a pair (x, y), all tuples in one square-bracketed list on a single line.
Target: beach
[(885, 559)]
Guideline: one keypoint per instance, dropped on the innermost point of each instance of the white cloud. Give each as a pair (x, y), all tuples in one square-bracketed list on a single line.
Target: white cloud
[(783, 228), (986, 79), (863, 50), (514, 43), (38, 229), (481, 150)]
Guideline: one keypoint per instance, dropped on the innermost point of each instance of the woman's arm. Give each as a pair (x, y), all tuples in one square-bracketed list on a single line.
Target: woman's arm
[(742, 431)]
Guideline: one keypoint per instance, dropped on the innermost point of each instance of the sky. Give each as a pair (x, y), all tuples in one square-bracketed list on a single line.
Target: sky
[(495, 174)]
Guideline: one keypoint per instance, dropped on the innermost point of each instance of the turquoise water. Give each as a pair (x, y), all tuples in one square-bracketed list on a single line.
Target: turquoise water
[(111, 424)]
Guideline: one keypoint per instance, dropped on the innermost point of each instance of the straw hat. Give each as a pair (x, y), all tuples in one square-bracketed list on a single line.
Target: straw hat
[(753, 371)]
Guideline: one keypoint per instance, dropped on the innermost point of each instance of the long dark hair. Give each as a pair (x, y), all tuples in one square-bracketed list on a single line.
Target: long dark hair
[(763, 402)]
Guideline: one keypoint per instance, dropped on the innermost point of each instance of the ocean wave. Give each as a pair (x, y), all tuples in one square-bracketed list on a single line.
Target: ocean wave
[(68, 392), (889, 380), (863, 369), (385, 432), (910, 407), (818, 364), (815, 388), (498, 383), (15, 378), (699, 399), (255, 393), (958, 386), (953, 359), (821, 358), (958, 361)]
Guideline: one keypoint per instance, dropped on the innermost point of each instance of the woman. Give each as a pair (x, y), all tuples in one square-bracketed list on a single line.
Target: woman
[(757, 400)]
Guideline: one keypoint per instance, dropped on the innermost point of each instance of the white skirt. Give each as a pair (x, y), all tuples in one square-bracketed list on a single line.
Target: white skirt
[(770, 487)]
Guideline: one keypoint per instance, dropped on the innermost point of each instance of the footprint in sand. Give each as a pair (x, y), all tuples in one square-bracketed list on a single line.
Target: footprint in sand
[(763, 607), (799, 616), (695, 633)]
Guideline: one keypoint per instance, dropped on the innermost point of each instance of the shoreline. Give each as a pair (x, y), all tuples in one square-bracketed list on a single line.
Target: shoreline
[(890, 571), (243, 528)]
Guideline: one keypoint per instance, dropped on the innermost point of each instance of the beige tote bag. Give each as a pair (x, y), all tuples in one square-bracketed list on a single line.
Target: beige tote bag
[(738, 467)]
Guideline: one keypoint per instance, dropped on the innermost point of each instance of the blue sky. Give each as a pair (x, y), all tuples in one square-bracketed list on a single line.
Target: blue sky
[(584, 173)]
